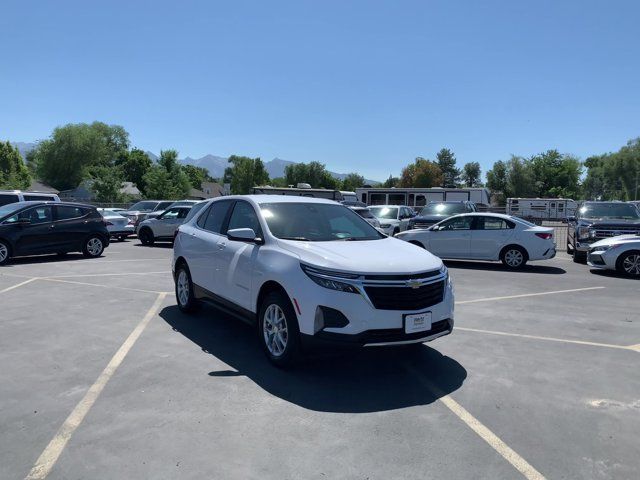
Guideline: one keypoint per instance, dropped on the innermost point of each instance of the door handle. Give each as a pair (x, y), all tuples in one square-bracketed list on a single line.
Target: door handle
[(221, 246), (52, 226)]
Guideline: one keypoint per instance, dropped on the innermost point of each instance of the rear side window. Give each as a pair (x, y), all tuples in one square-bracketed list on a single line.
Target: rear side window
[(216, 216), (493, 223), (163, 205), (40, 198), (6, 198), (67, 212)]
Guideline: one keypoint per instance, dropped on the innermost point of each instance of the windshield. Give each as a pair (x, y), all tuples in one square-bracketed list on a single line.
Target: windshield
[(10, 208), (364, 212), (443, 209), (390, 213), (610, 210), (148, 206), (316, 222)]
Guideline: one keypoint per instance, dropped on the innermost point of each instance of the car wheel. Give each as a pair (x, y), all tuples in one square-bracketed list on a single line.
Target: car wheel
[(629, 264), (187, 302), (579, 257), (5, 253), (514, 257), (146, 236), (122, 238), (93, 247), (278, 330)]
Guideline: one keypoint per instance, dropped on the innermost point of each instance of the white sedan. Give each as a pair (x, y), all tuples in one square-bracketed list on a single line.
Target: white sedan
[(621, 253), (486, 236)]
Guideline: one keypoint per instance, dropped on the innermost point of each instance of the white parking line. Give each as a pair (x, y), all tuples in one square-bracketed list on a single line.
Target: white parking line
[(491, 299), (107, 274), (52, 452), (8, 289), (506, 452), (101, 286), (551, 339)]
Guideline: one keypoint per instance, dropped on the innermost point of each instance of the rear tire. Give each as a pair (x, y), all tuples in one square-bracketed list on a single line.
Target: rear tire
[(629, 264), (514, 257), (93, 247), (146, 236), (278, 330), (579, 257), (5, 252), (185, 298)]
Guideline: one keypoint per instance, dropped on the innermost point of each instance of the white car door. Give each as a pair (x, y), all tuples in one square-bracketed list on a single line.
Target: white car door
[(201, 246), (488, 236), (404, 216), (452, 238), (237, 258), (166, 223)]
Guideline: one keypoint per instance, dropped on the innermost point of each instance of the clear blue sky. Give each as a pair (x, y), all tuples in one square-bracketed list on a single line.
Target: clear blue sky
[(359, 85)]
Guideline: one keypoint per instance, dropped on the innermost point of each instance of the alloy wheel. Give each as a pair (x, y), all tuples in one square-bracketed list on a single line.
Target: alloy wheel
[(513, 258), (274, 330), (94, 246), (630, 264), (183, 288), (4, 252)]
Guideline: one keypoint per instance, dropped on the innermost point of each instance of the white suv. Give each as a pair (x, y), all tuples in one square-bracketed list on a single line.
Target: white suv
[(310, 271)]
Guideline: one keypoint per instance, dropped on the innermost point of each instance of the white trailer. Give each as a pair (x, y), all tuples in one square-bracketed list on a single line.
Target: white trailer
[(419, 197), (544, 208)]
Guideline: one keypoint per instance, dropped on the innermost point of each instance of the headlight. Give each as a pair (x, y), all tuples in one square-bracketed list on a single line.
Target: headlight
[(385, 225), (583, 232), (326, 279)]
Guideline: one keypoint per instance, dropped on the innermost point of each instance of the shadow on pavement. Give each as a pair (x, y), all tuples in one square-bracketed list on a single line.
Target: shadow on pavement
[(54, 258), (355, 381), (495, 266)]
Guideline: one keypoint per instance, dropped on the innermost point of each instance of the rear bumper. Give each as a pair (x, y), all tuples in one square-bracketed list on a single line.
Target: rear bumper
[(376, 338)]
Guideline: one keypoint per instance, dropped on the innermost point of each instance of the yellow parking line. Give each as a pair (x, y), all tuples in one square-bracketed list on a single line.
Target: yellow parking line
[(553, 292), (551, 339), (506, 452), (52, 452), (8, 289)]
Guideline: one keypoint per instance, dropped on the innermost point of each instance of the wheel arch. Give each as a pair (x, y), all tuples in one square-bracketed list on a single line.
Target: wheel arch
[(417, 243), (624, 254), (268, 287)]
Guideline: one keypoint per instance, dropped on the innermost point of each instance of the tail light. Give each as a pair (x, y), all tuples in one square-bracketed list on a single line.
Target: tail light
[(544, 236)]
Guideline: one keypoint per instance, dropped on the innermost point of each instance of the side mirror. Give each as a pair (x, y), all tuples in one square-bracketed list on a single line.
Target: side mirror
[(244, 235)]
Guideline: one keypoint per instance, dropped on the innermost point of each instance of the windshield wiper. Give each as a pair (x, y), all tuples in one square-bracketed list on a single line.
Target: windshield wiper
[(301, 239)]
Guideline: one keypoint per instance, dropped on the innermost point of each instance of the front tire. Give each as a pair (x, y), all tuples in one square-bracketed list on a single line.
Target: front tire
[(5, 253), (146, 237), (187, 302), (93, 247), (579, 257), (278, 330), (629, 264), (514, 257)]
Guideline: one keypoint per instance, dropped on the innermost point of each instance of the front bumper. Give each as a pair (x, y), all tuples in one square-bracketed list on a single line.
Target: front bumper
[(602, 259)]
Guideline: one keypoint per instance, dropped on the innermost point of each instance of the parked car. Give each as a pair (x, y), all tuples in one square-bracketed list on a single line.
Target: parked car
[(178, 203), (621, 253), (309, 271), (485, 236), (162, 227), (365, 213), (595, 221), (139, 211), (13, 196), (118, 225), (35, 228), (435, 212), (195, 209), (393, 218)]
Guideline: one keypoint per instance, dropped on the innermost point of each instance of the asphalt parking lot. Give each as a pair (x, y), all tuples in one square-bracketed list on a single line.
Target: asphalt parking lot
[(103, 377)]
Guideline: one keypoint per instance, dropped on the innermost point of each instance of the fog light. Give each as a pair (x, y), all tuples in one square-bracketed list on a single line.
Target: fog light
[(327, 317)]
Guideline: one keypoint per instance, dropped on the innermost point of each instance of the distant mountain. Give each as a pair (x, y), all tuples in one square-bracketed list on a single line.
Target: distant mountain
[(24, 148)]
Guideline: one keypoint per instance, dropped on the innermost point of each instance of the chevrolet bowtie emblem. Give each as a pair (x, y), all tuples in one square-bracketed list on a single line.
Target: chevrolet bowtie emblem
[(414, 283)]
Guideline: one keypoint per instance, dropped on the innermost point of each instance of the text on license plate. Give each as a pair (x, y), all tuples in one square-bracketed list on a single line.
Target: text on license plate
[(418, 322)]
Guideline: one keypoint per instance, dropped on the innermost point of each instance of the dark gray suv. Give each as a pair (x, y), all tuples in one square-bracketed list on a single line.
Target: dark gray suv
[(435, 212)]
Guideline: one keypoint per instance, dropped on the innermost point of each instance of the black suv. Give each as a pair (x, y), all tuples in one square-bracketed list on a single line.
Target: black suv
[(435, 212), (594, 221), (35, 228)]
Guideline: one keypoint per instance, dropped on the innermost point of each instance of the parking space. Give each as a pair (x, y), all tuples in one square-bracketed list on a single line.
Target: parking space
[(105, 378)]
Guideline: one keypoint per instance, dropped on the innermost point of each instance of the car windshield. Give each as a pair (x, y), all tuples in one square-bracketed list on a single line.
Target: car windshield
[(8, 209), (142, 206), (443, 209), (390, 213), (364, 212), (316, 222), (610, 210)]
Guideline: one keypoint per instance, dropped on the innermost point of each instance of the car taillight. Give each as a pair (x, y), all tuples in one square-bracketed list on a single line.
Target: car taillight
[(544, 236)]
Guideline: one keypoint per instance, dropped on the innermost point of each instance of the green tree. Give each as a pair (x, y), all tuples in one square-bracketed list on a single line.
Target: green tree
[(166, 179), (391, 182), (471, 175), (497, 181), (14, 174), (197, 175), (352, 181), (244, 173), (555, 175), (64, 159), (313, 173), (134, 165), (106, 184), (446, 161), (520, 178), (279, 182), (421, 173)]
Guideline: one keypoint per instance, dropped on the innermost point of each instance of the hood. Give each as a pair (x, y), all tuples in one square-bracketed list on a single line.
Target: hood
[(384, 256), (617, 240), (610, 221), (435, 218)]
